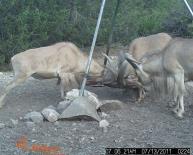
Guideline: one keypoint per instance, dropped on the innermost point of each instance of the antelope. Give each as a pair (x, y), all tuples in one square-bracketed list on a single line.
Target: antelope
[(62, 60), (174, 62), (138, 48), (143, 45)]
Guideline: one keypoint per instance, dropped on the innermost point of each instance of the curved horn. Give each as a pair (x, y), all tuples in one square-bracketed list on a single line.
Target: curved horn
[(130, 57), (110, 62), (112, 67), (108, 58)]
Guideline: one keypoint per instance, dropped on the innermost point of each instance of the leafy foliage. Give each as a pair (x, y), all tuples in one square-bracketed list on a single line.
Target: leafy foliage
[(28, 24)]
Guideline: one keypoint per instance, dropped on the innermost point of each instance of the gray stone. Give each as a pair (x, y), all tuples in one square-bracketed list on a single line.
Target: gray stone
[(2, 125), (14, 122), (63, 105), (34, 116), (189, 84), (81, 106), (92, 138), (111, 105), (104, 115), (74, 94), (104, 124), (51, 107), (33, 140), (50, 114), (34, 130), (30, 124)]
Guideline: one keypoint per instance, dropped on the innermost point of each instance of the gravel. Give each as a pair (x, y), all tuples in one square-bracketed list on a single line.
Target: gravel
[(149, 124)]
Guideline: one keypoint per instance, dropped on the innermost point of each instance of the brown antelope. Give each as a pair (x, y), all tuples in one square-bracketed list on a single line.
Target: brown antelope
[(138, 48), (174, 62), (61, 60)]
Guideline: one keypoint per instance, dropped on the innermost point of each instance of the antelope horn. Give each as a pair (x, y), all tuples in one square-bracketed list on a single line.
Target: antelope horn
[(112, 66), (134, 63), (129, 56), (108, 58)]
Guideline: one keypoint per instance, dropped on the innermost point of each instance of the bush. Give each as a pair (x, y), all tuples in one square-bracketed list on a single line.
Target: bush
[(2, 59), (28, 24)]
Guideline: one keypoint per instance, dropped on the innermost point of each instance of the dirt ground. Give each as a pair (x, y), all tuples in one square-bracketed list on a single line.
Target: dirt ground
[(149, 124)]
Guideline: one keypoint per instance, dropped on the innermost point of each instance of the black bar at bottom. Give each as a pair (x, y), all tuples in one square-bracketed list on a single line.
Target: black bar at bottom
[(148, 151)]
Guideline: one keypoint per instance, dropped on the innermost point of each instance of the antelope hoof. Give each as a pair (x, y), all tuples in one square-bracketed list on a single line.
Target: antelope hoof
[(176, 111), (141, 97), (139, 100), (179, 115)]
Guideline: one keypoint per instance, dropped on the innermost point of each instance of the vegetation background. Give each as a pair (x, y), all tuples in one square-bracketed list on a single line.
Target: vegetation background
[(28, 24)]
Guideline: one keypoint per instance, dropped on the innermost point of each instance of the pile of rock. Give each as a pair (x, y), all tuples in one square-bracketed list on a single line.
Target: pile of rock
[(72, 106)]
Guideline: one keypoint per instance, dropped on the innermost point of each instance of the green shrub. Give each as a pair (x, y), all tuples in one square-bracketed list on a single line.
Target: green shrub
[(2, 59), (28, 24)]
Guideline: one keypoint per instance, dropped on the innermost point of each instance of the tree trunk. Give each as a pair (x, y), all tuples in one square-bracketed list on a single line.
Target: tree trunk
[(72, 16), (111, 30)]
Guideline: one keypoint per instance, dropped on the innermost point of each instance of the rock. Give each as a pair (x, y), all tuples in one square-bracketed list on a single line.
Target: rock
[(104, 124), (119, 140), (33, 140), (74, 93), (34, 116), (81, 107), (30, 124), (116, 141), (50, 114), (111, 105), (63, 105), (82, 139), (104, 115), (92, 138), (189, 84), (2, 125), (30, 110), (14, 122), (51, 107)]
